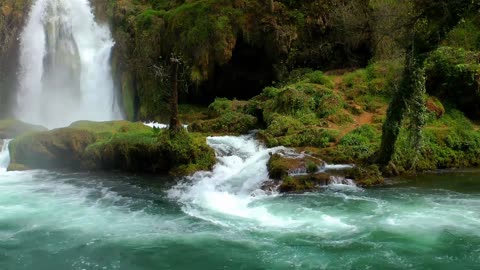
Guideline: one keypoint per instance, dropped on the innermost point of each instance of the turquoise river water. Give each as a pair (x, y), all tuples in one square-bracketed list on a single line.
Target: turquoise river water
[(222, 220)]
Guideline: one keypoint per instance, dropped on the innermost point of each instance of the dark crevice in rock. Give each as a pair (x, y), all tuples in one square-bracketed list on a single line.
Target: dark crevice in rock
[(243, 77)]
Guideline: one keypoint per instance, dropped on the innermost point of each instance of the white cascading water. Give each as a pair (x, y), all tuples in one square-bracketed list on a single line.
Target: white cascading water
[(65, 66), (4, 156), (233, 188)]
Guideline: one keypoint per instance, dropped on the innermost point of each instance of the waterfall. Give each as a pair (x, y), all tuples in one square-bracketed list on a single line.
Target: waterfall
[(65, 71), (4, 156)]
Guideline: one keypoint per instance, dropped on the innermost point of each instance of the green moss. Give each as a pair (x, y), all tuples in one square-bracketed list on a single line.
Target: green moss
[(366, 176), (60, 148), (360, 144), (116, 145), (319, 77), (278, 167), (228, 123), (128, 96), (304, 183), (452, 76), (376, 82), (11, 128), (177, 153)]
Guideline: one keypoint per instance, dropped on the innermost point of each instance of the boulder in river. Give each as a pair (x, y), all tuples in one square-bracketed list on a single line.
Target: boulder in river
[(11, 128), (115, 145)]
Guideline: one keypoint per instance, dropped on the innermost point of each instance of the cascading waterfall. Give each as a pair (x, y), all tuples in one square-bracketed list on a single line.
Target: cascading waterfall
[(233, 188), (65, 66)]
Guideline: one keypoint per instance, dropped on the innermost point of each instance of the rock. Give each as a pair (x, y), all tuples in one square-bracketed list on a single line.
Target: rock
[(284, 164), (116, 145), (304, 183), (60, 148), (11, 128), (366, 176), (270, 186)]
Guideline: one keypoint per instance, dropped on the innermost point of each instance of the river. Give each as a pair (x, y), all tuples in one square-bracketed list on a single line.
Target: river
[(221, 220)]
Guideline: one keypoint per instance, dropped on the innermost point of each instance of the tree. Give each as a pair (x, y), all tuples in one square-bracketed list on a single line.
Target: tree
[(172, 75), (428, 23)]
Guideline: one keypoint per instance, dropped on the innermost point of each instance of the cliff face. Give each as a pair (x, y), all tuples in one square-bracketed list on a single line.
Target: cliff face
[(230, 48), (12, 18)]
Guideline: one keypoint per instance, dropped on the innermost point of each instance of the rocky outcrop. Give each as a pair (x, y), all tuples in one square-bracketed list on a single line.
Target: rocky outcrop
[(117, 145), (61, 148), (11, 128), (230, 48), (13, 14)]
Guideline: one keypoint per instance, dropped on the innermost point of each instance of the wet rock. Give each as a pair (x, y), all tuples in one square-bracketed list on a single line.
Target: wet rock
[(366, 176), (304, 183), (287, 163), (270, 186)]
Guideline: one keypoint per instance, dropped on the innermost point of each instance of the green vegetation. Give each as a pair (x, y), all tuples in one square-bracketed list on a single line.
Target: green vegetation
[(225, 116), (12, 18), (11, 128), (389, 83), (118, 145)]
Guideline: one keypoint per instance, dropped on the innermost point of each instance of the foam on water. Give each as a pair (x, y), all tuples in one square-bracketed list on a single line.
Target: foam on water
[(232, 190), (224, 213), (230, 196)]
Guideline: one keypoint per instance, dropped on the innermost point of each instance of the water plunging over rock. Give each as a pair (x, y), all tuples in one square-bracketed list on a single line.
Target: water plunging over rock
[(65, 66)]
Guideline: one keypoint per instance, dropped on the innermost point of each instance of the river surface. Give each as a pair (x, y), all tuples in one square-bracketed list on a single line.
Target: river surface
[(221, 220)]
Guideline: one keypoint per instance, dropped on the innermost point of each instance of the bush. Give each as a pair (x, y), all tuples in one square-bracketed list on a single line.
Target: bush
[(452, 76), (228, 122), (361, 143), (319, 77)]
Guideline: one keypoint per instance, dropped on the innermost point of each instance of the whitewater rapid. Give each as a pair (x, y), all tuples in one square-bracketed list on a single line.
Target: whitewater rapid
[(233, 189), (223, 220), (65, 66)]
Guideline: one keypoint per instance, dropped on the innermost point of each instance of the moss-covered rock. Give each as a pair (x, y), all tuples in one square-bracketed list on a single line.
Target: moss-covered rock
[(60, 148), (178, 153), (209, 33), (116, 145), (298, 184), (11, 128), (366, 176), (281, 165)]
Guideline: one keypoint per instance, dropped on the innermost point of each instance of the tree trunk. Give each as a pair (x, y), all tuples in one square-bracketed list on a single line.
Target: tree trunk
[(398, 106), (174, 122), (271, 6)]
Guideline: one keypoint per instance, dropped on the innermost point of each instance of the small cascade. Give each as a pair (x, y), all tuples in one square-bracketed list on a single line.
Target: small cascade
[(235, 181), (4, 156), (340, 180), (239, 184), (336, 167)]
